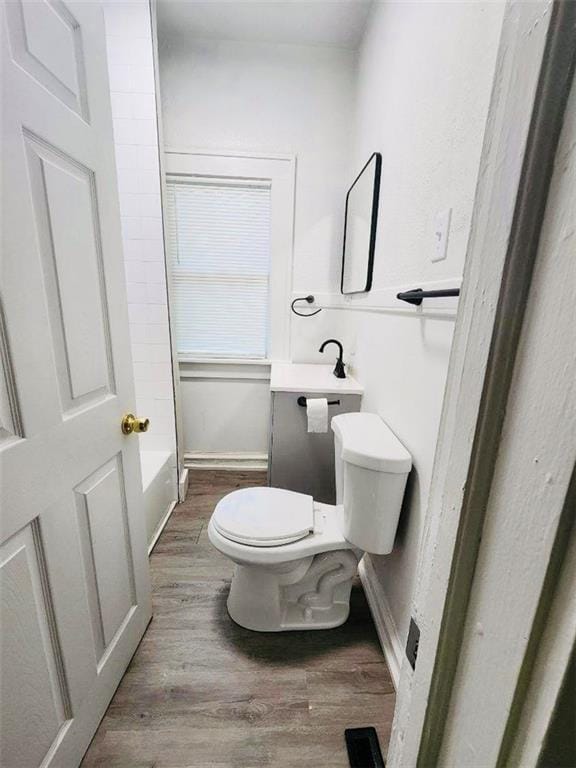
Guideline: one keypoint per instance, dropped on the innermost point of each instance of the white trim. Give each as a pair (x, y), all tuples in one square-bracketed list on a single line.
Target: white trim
[(182, 359), (179, 430), (234, 360), (211, 370), (551, 664), (212, 181), (183, 484), (252, 154), (161, 525), (229, 461), (230, 376), (384, 621)]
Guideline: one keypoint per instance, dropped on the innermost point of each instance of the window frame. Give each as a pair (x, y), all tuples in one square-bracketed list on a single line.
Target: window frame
[(279, 172)]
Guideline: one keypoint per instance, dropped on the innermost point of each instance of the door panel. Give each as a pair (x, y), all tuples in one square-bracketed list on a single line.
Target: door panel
[(10, 423), (64, 191), (33, 697), (46, 41), (107, 552), (59, 533), (75, 581)]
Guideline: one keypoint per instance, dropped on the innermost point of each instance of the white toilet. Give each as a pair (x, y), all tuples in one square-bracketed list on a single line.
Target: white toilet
[(296, 558)]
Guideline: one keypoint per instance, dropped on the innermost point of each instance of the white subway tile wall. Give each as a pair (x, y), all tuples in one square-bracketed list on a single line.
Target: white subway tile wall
[(130, 63)]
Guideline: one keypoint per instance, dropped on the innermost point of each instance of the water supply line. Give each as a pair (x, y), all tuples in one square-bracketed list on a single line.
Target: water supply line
[(308, 299)]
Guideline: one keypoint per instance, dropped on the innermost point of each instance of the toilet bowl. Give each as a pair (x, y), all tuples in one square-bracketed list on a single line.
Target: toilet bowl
[(295, 558)]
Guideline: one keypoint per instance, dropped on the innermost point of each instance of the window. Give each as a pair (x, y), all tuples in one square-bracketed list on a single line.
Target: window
[(219, 243), (229, 224)]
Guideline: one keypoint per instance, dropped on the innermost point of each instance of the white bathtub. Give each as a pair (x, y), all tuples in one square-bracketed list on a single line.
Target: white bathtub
[(159, 487)]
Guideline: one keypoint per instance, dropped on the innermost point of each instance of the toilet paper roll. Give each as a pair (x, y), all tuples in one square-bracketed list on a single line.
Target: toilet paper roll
[(317, 412)]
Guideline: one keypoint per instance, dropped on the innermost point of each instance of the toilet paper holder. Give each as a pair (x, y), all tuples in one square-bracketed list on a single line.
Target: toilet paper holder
[(302, 401)]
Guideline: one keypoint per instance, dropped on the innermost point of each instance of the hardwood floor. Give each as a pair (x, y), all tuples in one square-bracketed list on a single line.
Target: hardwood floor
[(201, 692)]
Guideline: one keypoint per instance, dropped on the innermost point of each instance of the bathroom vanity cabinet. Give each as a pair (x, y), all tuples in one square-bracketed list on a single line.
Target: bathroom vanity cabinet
[(299, 460)]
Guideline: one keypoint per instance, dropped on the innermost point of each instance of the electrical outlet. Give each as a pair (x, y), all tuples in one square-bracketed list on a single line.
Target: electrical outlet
[(441, 233)]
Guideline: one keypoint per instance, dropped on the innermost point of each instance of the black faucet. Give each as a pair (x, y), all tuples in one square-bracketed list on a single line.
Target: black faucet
[(339, 371)]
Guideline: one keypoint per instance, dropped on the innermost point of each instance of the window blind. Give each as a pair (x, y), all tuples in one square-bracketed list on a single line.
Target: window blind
[(219, 246)]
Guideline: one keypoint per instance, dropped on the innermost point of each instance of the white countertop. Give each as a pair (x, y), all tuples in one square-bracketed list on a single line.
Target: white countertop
[(308, 377)]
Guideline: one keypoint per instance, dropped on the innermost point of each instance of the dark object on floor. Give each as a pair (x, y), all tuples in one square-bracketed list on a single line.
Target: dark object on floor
[(363, 748)]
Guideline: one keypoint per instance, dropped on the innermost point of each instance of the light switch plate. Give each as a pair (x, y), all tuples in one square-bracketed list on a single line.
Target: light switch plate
[(441, 234)]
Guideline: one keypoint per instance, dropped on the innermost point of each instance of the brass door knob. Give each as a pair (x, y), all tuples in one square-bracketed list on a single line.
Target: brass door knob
[(131, 424)]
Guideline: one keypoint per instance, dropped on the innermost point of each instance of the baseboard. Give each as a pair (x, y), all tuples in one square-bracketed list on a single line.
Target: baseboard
[(256, 462), (183, 485), (160, 527), (385, 625)]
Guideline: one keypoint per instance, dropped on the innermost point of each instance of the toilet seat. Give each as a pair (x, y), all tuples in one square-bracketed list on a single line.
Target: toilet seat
[(325, 537), (264, 517)]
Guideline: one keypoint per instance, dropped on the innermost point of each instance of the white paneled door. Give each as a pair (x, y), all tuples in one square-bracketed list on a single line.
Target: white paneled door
[(74, 589)]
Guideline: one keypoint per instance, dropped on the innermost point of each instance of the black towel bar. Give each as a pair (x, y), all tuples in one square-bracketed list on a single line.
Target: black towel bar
[(302, 401), (416, 295)]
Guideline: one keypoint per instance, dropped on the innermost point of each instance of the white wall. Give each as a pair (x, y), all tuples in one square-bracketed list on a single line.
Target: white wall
[(226, 410), (286, 99), (424, 82), (130, 64)]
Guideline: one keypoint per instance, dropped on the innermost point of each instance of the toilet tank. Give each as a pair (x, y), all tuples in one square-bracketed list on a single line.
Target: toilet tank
[(372, 467)]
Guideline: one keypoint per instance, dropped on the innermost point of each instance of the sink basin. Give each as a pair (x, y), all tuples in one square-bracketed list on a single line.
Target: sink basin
[(310, 378)]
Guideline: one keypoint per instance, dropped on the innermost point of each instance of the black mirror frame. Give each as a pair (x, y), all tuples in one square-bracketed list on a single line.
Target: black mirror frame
[(372, 247)]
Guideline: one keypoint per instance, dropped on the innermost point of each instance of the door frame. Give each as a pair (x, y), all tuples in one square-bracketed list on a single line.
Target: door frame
[(534, 70), (182, 470)]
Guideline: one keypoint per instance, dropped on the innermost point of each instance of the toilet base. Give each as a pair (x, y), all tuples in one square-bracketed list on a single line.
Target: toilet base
[(311, 593)]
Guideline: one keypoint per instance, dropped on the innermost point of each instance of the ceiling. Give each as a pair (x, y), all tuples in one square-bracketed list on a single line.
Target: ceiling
[(336, 23)]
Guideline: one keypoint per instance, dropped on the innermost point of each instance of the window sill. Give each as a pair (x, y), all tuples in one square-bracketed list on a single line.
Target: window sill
[(183, 359), (213, 368)]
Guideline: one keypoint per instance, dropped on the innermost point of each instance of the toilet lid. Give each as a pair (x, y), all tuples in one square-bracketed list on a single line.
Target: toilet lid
[(264, 517)]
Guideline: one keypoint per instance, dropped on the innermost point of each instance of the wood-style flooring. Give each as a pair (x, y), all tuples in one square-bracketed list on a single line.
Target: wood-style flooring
[(201, 692)]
